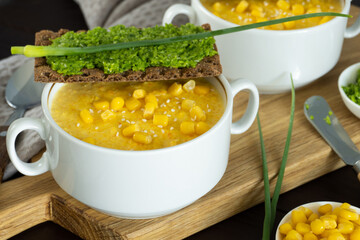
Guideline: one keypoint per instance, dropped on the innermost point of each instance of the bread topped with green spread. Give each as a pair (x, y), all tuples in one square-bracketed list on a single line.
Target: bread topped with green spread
[(127, 65)]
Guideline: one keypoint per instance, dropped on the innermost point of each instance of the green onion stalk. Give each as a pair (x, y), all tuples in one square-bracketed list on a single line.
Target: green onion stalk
[(270, 204), (43, 51)]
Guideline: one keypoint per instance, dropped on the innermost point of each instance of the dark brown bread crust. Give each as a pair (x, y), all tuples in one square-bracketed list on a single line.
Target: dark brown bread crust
[(209, 66)]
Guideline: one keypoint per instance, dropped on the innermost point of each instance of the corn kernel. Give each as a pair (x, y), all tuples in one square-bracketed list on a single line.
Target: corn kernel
[(306, 210), (349, 215), (201, 90), (313, 10), (187, 128), (355, 235), (312, 217), (89, 140), (201, 127), (297, 9), (323, 209), (151, 98), (302, 228), (289, 25), (298, 216), (117, 103), (197, 114), (336, 236), (130, 130), (310, 236), (257, 13), (293, 235), (317, 226), (86, 116), (101, 105), (159, 119), (345, 205), (139, 93), (327, 232), (346, 227), (261, 19), (141, 137), (187, 104), (132, 104), (325, 19), (149, 110), (242, 6), (107, 115), (329, 222), (218, 6), (175, 89), (282, 4), (189, 86), (285, 228)]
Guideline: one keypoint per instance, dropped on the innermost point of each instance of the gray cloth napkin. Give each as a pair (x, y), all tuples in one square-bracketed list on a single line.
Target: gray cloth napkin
[(104, 13)]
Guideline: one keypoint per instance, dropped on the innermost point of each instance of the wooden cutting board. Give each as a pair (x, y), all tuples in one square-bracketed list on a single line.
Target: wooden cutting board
[(28, 201)]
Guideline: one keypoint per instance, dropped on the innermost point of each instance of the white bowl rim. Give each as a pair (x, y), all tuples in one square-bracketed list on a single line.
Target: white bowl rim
[(345, 10), (344, 79), (310, 205)]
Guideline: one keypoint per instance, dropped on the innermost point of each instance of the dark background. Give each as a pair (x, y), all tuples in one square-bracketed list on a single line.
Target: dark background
[(20, 19)]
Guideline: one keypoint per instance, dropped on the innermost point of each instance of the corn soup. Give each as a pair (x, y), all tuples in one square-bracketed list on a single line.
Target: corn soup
[(137, 116), (244, 12)]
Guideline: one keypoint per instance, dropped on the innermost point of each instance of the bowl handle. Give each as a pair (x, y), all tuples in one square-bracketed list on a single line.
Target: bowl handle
[(19, 125), (176, 9), (245, 122), (353, 30)]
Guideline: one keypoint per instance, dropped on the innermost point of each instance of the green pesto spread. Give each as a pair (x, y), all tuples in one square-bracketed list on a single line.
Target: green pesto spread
[(353, 89), (182, 54)]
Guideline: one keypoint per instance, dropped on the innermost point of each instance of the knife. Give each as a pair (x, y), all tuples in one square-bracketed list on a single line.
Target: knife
[(320, 115)]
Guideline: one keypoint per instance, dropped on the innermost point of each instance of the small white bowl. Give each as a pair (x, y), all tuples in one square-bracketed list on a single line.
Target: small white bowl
[(313, 206), (346, 77)]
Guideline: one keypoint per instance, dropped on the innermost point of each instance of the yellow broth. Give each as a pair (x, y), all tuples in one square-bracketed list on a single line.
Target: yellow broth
[(137, 116), (244, 12)]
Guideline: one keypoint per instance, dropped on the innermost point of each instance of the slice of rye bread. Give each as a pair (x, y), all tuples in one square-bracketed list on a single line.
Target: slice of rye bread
[(209, 66)]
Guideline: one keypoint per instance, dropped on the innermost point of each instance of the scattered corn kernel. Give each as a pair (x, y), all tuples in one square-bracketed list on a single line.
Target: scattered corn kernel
[(297, 9), (201, 127), (139, 93), (325, 19), (189, 86), (201, 90), (151, 98), (302, 228), (132, 104), (117, 103), (289, 25), (306, 210), (242, 6), (86, 116), (312, 217), (175, 89), (197, 114), (141, 137), (346, 227), (130, 130), (345, 206), (293, 235), (310, 236), (218, 6), (101, 105), (336, 236), (149, 110), (285, 228), (355, 235), (326, 208), (107, 115), (187, 104), (159, 119), (298, 216), (282, 4), (329, 222), (349, 215), (317, 226), (187, 128)]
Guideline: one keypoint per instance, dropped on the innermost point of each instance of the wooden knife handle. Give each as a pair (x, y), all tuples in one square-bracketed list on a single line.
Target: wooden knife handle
[(4, 156)]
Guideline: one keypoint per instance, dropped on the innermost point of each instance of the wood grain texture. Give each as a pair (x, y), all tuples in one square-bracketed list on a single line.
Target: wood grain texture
[(4, 157), (27, 201)]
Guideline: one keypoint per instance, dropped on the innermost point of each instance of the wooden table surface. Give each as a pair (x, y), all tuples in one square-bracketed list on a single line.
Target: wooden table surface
[(309, 156)]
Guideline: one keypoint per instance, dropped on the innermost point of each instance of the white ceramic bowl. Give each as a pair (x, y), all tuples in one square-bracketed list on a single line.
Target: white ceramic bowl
[(267, 57), (313, 206), (346, 77)]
